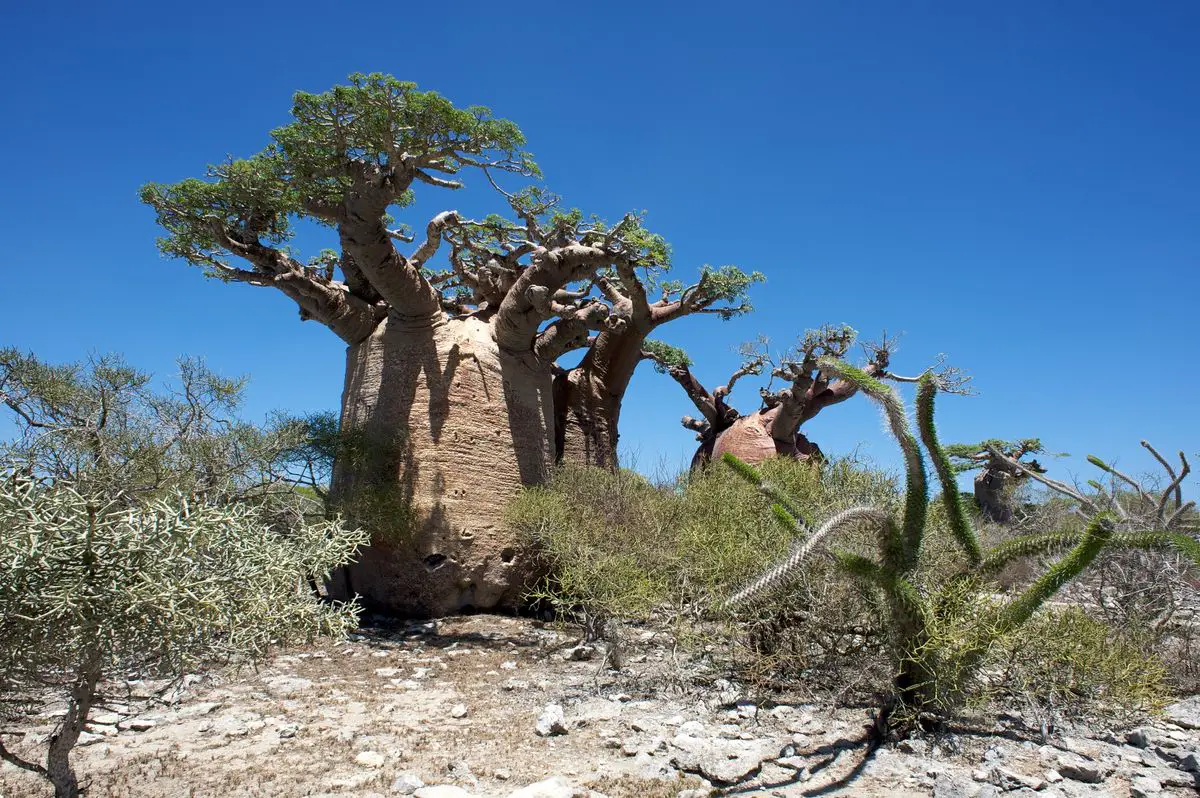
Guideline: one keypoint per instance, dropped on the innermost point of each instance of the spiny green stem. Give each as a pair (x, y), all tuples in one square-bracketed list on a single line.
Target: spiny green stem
[(781, 571), (960, 526), (767, 488), (916, 495), (1095, 537)]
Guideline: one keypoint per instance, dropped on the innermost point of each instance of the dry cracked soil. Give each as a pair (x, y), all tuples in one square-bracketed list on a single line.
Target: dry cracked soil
[(496, 706)]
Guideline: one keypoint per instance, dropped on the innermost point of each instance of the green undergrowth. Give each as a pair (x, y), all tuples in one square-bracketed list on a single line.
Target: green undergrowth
[(618, 547)]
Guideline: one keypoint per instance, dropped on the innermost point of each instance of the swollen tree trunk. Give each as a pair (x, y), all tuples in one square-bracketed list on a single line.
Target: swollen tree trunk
[(441, 428), (750, 438)]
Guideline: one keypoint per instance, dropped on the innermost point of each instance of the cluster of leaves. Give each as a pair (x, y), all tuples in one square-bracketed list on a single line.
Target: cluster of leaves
[(375, 120), (970, 456), (664, 356)]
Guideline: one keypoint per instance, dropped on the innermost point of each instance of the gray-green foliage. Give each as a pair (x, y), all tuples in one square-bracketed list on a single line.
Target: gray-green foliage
[(93, 585), (376, 119), (935, 655), (150, 530), (103, 424)]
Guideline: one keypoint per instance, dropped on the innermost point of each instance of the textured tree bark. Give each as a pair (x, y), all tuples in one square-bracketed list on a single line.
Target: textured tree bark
[(442, 428), (58, 758), (586, 421), (589, 396)]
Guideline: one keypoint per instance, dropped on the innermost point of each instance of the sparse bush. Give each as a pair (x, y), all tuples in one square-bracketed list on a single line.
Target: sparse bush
[(149, 531), (605, 538), (1147, 594), (1065, 662), (618, 547), (92, 585)]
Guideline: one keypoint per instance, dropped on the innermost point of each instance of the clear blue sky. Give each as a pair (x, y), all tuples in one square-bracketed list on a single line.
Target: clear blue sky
[(1016, 184)]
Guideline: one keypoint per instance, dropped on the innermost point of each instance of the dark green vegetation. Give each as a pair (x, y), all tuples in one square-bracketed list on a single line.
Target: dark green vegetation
[(149, 532)]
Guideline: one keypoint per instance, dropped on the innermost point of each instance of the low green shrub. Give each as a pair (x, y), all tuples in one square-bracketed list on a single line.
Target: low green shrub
[(1065, 662), (617, 546), (93, 586)]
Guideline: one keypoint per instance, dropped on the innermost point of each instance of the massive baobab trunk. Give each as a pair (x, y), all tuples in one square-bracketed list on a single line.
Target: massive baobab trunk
[(452, 427), (447, 407)]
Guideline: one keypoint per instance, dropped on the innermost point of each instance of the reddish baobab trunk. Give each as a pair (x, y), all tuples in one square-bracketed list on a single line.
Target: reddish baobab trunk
[(587, 420), (589, 397), (452, 427), (749, 438)]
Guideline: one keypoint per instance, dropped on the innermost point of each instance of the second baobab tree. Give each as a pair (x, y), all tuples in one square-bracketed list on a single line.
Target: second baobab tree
[(802, 392), (774, 428)]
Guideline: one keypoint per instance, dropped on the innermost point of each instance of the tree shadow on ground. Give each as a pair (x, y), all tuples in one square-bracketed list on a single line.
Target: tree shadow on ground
[(381, 631)]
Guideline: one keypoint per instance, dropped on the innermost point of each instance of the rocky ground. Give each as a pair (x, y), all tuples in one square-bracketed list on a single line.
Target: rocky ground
[(507, 707)]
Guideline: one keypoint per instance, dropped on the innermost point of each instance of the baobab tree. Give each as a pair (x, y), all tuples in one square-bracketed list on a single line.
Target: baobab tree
[(1002, 468), (774, 428), (447, 404)]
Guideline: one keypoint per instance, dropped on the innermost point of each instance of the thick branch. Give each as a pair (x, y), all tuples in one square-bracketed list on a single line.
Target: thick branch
[(433, 238), (527, 304), (704, 401), (367, 239), (350, 318), (571, 330)]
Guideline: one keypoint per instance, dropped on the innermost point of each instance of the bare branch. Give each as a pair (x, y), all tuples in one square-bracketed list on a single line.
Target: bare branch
[(751, 367), (1175, 481), (709, 406), (425, 177), (433, 238)]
